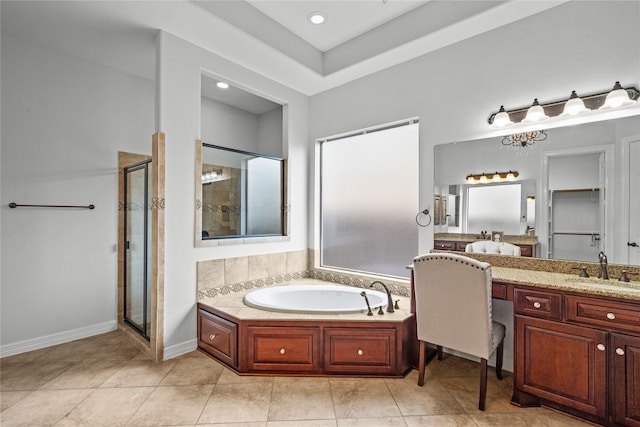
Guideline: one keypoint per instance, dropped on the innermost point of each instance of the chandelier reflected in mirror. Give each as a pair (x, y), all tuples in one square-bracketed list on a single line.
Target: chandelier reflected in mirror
[(524, 139)]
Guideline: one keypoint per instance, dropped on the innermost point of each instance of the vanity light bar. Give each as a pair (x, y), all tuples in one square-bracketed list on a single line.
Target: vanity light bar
[(616, 98), (486, 178)]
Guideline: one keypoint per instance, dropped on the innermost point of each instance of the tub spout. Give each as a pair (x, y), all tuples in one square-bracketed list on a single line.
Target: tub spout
[(364, 294), (389, 299)]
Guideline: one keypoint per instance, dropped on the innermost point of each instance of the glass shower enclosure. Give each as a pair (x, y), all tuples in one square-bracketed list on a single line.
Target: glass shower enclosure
[(137, 244)]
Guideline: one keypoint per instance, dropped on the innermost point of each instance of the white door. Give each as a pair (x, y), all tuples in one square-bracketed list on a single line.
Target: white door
[(633, 243)]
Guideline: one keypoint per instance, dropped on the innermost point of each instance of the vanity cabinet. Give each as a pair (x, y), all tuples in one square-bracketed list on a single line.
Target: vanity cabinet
[(578, 353), (460, 246), (625, 392)]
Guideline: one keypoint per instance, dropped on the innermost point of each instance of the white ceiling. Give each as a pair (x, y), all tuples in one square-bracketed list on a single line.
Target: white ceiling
[(272, 38), (346, 19)]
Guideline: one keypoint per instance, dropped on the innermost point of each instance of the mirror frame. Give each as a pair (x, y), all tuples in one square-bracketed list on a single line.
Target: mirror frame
[(222, 240)]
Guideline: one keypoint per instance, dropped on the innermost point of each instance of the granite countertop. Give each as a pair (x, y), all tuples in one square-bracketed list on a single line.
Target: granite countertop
[(568, 282), (234, 305)]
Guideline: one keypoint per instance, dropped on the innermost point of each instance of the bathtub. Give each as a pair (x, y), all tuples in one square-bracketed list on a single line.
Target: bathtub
[(315, 299)]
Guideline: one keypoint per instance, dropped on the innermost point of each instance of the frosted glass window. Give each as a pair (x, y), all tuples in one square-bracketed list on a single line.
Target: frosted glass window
[(494, 208), (369, 198)]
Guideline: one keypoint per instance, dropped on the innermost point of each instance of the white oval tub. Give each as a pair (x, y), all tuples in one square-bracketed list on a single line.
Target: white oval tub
[(315, 299)]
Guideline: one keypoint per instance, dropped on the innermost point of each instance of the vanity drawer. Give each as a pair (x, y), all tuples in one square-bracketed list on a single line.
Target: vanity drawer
[(283, 349), (444, 245), (371, 351), (461, 246), (593, 311), (218, 337), (546, 305), (526, 250)]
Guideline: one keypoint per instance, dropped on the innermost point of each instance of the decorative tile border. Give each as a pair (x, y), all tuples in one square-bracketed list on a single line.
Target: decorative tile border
[(251, 284), (396, 288), (344, 279)]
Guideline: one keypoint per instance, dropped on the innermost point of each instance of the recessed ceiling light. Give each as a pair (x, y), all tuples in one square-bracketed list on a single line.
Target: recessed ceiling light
[(222, 85), (316, 18)]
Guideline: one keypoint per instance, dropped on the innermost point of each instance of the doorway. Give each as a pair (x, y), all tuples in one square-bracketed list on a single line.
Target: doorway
[(137, 245)]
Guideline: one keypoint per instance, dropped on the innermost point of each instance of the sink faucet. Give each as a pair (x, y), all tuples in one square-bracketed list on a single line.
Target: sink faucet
[(389, 300), (603, 273)]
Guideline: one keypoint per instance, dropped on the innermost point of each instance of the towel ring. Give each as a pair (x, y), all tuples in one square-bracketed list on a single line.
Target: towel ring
[(425, 213)]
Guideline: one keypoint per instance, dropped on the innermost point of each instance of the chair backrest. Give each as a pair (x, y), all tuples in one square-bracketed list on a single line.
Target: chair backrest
[(453, 302), (491, 247)]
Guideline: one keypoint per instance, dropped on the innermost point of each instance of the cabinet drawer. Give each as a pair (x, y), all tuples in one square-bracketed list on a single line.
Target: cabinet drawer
[(499, 291), (461, 246), (593, 311), (218, 337), (526, 250), (371, 351), (444, 245), (546, 305), (283, 349)]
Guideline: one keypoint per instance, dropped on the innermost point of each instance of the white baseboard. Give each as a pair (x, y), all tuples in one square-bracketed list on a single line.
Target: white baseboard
[(57, 338), (179, 349)]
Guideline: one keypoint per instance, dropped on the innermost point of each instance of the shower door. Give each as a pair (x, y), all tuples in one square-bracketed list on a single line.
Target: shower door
[(137, 244)]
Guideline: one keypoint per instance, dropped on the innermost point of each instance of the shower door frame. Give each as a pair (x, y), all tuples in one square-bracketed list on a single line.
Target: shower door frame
[(145, 329)]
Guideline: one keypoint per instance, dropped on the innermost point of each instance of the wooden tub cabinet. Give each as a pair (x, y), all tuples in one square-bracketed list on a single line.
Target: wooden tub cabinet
[(307, 347)]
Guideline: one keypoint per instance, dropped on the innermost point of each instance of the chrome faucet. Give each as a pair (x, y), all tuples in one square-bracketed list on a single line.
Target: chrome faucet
[(389, 300), (603, 273)]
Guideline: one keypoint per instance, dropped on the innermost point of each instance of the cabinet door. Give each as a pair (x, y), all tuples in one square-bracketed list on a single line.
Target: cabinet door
[(625, 362), (562, 363), (283, 349), (370, 351), (218, 337)]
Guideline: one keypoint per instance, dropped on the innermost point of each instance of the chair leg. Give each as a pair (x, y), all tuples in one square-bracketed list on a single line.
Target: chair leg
[(483, 384), (439, 348), (421, 363), (499, 352)]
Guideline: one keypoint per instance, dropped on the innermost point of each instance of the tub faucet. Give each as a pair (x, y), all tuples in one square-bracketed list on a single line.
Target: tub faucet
[(603, 273), (389, 300)]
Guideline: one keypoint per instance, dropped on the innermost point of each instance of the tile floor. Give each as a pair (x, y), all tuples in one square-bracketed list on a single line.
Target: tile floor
[(105, 381)]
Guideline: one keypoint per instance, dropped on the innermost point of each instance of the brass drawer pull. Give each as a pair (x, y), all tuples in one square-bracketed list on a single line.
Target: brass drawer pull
[(537, 304), (360, 352), (282, 351), (611, 316), (600, 347), (212, 337), (619, 351)]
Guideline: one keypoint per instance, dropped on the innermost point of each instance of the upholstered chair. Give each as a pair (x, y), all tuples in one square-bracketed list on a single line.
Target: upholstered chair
[(491, 247), (453, 310)]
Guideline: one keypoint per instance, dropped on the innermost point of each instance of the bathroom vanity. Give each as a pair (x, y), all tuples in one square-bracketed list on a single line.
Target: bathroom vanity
[(252, 341), (577, 343), (456, 242)]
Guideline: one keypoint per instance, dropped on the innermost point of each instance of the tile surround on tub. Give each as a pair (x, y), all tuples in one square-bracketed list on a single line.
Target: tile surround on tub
[(225, 276)]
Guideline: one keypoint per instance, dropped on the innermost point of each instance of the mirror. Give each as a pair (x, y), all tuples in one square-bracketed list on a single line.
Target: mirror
[(471, 209), (240, 167), (563, 162), (242, 194)]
